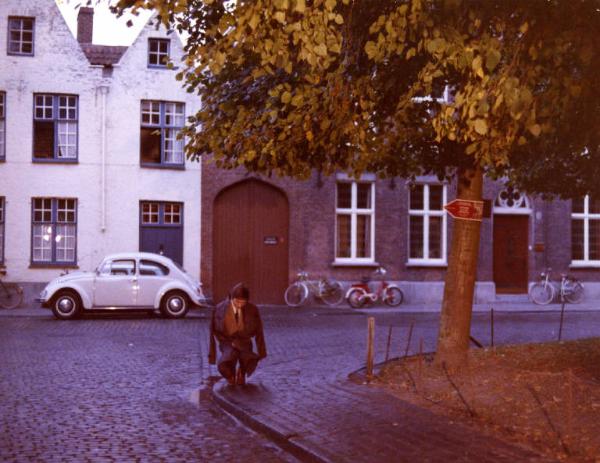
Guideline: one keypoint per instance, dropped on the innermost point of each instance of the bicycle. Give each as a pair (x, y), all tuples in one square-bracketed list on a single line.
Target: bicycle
[(360, 294), (328, 290), (11, 294), (545, 291)]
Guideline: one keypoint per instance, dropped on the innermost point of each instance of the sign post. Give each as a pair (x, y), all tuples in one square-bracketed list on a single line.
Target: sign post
[(465, 209)]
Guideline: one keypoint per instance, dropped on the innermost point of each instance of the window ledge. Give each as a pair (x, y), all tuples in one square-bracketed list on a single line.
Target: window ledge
[(54, 161), (585, 265), (427, 264), (163, 166), (158, 67), (354, 264), (53, 265), (14, 53)]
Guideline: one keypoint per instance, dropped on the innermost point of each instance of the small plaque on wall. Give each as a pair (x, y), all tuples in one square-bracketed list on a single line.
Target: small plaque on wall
[(270, 240)]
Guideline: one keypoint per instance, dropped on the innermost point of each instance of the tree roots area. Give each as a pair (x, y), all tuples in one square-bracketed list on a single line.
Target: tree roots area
[(545, 396)]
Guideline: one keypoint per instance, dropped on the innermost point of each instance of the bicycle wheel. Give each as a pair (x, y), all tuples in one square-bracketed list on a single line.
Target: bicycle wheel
[(541, 293), (11, 295), (574, 294), (356, 298), (393, 296), (296, 294), (332, 293)]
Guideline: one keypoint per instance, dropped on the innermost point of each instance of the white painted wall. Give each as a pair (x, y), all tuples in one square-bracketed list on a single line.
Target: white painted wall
[(59, 66)]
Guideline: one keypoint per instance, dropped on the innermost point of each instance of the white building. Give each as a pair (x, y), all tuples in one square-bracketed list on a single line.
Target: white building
[(89, 160)]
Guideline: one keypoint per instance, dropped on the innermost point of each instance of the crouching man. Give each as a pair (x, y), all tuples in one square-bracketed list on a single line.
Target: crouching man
[(235, 321)]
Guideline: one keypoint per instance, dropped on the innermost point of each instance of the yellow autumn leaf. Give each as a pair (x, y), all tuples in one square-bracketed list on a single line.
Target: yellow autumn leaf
[(300, 6), (254, 20), (286, 97), (297, 100), (370, 49), (321, 49), (535, 129), (309, 135), (279, 16), (480, 126), (524, 28)]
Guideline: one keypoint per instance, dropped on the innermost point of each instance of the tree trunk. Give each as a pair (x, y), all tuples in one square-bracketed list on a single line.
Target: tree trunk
[(457, 306)]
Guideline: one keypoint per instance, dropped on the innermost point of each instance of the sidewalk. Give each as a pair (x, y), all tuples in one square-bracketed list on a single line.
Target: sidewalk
[(340, 421)]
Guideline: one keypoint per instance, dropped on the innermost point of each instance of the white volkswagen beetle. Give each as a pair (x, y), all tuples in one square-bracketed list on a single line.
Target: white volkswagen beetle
[(136, 280)]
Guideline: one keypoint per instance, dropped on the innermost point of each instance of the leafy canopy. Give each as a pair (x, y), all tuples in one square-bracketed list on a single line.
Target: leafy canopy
[(396, 87)]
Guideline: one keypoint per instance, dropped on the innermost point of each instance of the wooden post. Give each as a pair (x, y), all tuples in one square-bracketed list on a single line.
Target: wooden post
[(420, 361), (410, 330), (492, 326), (569, 406), (562, 313), (389, 340), (370, 347)]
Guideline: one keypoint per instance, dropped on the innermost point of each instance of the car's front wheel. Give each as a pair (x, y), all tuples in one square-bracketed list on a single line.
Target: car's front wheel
[(174, 305), (67, 305)]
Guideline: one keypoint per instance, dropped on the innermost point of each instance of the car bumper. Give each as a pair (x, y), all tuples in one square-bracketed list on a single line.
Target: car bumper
[(43, 302)]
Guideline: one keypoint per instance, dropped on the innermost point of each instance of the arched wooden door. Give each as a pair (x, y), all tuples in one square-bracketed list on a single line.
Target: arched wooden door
[(250, 241)]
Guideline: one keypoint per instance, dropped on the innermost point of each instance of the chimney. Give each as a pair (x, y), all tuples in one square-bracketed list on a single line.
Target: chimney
[(85, 25)]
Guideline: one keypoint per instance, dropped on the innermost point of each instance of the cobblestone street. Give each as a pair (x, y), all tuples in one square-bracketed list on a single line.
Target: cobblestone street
[(116, 388), (106, 389)]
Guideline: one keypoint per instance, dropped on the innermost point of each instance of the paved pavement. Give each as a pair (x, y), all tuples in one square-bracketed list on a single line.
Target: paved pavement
[(110, 388), (306, 403)]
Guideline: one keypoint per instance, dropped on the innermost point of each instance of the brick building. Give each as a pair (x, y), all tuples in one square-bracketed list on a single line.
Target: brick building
[(264, 230), (89, 159)]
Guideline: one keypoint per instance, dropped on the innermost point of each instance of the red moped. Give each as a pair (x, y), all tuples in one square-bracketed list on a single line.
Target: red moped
[(360, 294)]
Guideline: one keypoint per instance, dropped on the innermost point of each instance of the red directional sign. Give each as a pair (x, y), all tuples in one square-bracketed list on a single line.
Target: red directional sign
[(465, 209)]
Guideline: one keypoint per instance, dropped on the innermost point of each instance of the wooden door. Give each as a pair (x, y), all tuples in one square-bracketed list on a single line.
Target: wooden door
[(511, 253), (250, 241)]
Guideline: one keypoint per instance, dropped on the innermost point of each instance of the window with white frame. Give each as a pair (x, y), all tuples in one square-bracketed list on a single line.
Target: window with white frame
[(1, 230), (2, 126), (161, 123), (20, 35), (585, 231), (161, 213), (427, 224), (54, 231), (158, 52), (55, 125), (355, 222)]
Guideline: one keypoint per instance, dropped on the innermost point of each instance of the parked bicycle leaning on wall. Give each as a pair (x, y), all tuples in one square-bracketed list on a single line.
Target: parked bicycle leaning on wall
[(11, 294)]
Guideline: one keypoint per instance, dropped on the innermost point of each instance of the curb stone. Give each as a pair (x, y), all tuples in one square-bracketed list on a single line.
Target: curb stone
[(285, 442)]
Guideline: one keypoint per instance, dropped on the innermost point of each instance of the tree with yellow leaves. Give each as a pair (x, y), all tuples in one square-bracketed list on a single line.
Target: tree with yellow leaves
[(459, 88)]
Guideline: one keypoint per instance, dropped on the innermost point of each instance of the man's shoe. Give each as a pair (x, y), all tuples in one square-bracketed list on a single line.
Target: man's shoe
[(241, 377)]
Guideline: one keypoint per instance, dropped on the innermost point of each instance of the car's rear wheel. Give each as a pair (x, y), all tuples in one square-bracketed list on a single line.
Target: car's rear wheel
[(66, 305), (174, 304)]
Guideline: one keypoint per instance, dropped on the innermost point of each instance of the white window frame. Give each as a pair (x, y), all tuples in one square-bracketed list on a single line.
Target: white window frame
[(354, 212), (586, 216), (426, 213), (2, 234), (2, 125)]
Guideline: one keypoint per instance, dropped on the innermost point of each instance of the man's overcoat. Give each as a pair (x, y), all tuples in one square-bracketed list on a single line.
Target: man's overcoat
[(242, 340)]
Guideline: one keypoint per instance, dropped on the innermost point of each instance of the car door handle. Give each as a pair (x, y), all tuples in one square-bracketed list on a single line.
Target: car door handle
[(133, 280)]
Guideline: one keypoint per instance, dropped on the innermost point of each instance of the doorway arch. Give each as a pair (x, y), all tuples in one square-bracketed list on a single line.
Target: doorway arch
[(250, 240)]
